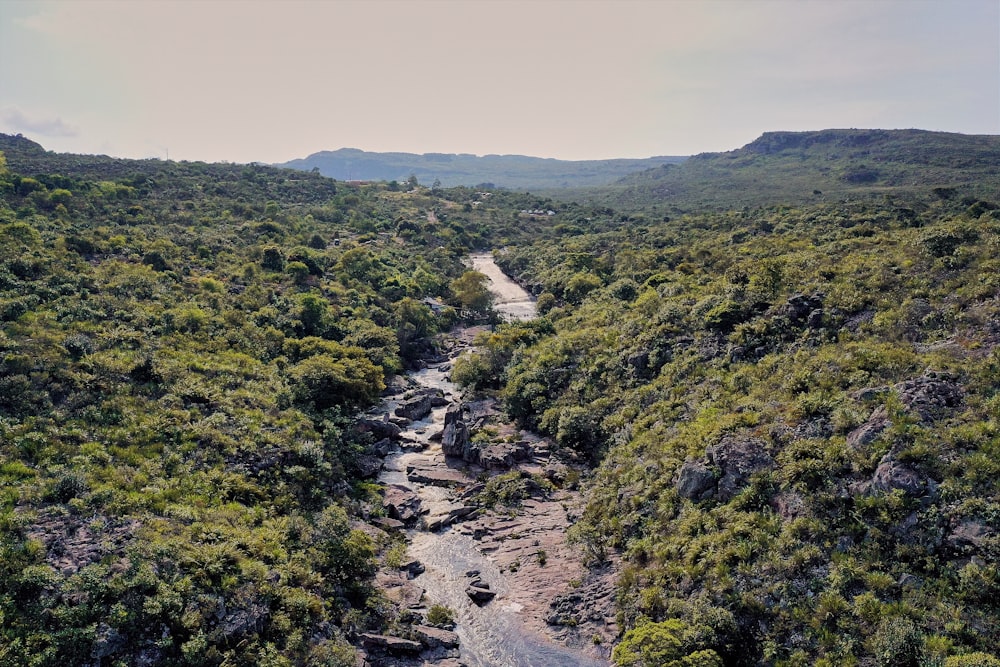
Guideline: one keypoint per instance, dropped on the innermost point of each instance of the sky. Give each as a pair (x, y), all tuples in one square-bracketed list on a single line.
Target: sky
[(244, 81)]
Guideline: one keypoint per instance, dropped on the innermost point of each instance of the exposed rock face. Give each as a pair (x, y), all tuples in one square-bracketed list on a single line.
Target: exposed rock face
[(928, 397), (696, 481), (726, 468), (892, 474), (378, 428), (415, 408), (432, 637), (401, 503), (455, 437), (738, 459), (592, 601), (72, 542)]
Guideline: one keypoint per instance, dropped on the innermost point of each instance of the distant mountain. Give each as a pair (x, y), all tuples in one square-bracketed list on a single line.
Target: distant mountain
[(509, 171), (793, 167)]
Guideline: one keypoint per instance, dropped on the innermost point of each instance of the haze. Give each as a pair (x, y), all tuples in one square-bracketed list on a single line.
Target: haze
[(268, 82)]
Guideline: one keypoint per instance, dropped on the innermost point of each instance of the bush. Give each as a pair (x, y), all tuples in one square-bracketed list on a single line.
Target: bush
[(440, 616), (897, 643), (670, 643), (972, 660)]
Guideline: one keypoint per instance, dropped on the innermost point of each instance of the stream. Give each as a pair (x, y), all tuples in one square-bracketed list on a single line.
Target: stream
[(495, 634)]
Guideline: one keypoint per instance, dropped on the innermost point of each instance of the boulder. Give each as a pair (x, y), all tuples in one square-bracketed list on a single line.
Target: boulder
[(871, 429), (436, 476), (930, 396), (432, 637), (380, 428), (455, 436), (502, 455), (738, 459), (971, 535), (798, 308), (696, 481), (367, 465), (461, 512), (382, 447), (388, 524), (414, 408), (892, 474), (401, 503), (413, 568), (638, 361), (480, 594)]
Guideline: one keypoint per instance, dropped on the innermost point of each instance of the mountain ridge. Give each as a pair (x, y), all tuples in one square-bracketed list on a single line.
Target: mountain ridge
[(454, 169), (819, 165)]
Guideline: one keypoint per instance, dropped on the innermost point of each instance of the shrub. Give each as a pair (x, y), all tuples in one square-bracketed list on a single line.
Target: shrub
[(440, 616)]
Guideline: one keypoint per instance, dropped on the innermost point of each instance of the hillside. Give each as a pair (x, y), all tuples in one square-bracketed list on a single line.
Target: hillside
[(815, 167), (788, 414), (792, 413), (505, 171), (185, 349)]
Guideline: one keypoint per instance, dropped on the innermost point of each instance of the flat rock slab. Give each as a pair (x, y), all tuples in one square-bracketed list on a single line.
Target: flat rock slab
[(436, 475), (432, 637), (479, 595), (391, 644)]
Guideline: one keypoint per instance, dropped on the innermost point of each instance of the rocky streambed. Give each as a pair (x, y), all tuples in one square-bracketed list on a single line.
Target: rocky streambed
[(520, 595)]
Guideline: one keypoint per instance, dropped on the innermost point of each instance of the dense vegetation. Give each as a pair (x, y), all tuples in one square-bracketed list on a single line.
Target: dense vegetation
[(184, 348), (794, 416), (790, 405)]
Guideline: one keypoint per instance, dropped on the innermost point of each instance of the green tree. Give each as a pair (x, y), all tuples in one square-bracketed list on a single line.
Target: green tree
[(670, 643), (324, 382), (273, 259), (472, 292), (580, 285)]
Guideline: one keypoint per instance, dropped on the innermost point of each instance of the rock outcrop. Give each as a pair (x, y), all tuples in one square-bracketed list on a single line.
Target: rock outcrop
[(927, 398), (726, 468), (455, 437), (401, 504), (414, 408)]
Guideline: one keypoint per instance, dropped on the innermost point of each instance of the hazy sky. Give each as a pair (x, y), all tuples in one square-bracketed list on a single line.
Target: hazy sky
[(249, 81)]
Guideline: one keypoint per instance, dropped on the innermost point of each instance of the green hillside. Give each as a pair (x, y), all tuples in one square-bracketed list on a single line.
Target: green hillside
[(184, 349), (792, 413), (789, 404), (815, 167), (505, 171)]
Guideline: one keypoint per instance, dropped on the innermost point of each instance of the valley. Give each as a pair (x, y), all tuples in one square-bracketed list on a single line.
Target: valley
[(741, 410)]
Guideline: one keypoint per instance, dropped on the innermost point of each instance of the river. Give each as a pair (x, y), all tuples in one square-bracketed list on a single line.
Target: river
[(509, 299), (497, 634)]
